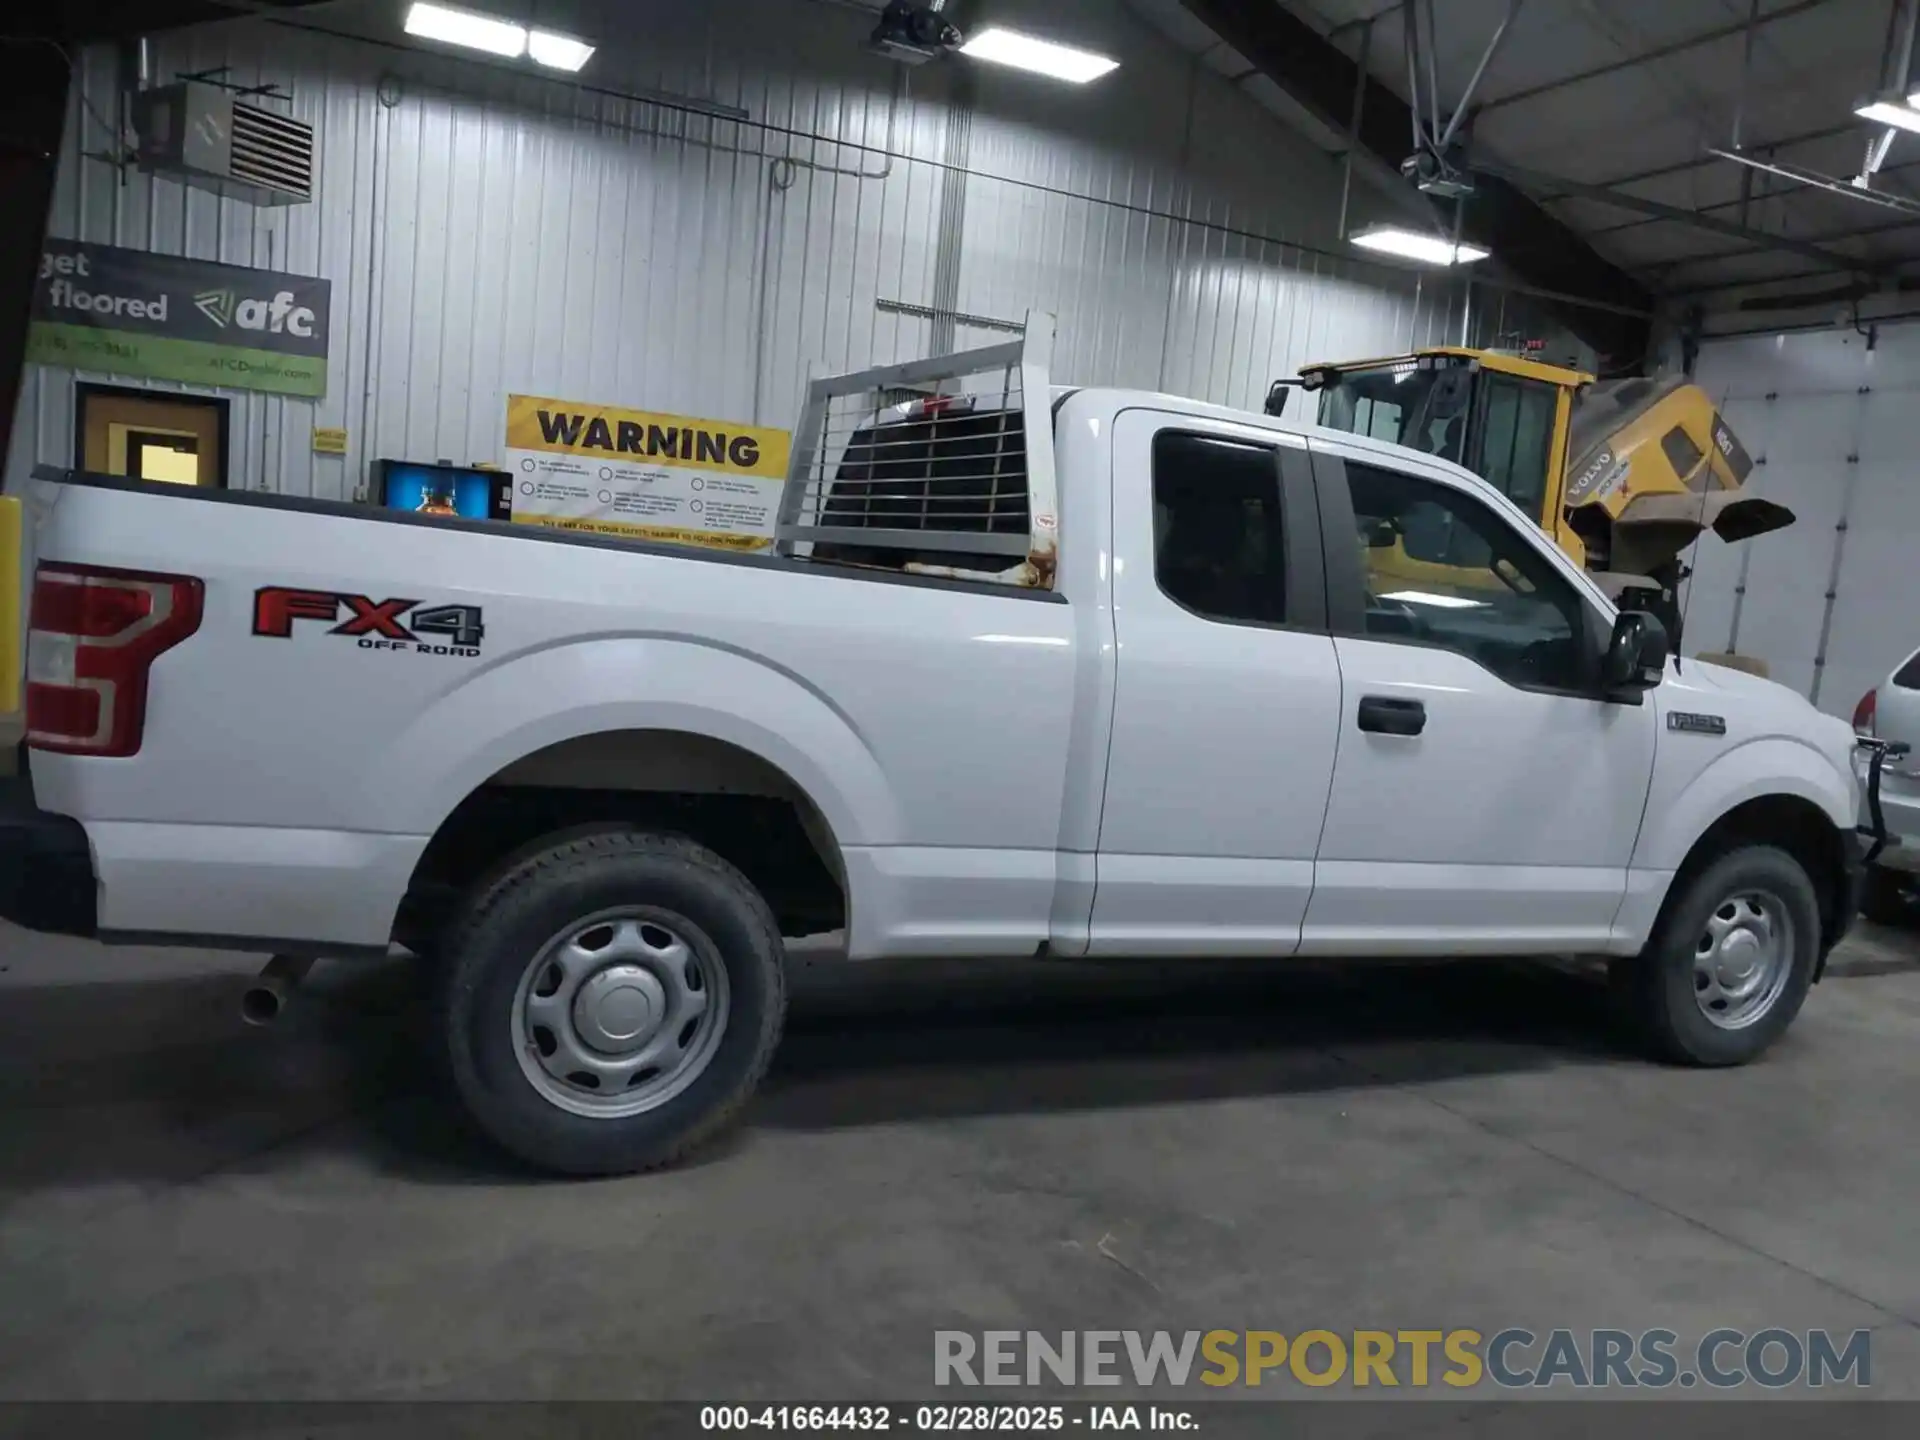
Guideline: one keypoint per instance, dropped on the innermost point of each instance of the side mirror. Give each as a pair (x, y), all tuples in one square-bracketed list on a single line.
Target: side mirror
[(1277, 396), (1636, 657)]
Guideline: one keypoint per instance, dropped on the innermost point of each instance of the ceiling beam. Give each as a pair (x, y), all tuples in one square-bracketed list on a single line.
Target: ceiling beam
[(1696, 162), (1535, 247), (1661, 52), (1759, 239), (1718, 206), (1869, 233), (81, 22), (1721, 206)]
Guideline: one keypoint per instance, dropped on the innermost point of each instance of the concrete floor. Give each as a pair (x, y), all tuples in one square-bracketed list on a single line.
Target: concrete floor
[(192, 1209)]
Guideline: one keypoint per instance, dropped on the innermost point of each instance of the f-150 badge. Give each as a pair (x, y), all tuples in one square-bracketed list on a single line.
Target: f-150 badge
[(376, 625), (1695, 723)]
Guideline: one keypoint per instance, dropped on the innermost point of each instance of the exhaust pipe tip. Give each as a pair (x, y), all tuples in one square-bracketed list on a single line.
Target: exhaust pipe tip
[(261, 1004), (263, 1000)]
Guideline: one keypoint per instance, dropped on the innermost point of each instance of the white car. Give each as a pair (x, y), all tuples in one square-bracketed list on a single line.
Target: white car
[(1029, 672), (1890, 712)]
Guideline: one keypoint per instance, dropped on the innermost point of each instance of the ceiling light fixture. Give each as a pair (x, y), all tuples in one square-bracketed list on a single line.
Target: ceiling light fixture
[(1414, 245), (1043, 57), (1438, 602), (558, 52), (1883, 111), (464, 28)]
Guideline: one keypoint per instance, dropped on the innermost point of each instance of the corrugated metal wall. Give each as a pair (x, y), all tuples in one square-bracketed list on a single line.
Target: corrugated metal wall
[(488, 232)]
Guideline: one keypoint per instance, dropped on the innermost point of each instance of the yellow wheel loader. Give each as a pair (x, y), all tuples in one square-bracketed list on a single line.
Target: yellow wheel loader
[(1622, 474)]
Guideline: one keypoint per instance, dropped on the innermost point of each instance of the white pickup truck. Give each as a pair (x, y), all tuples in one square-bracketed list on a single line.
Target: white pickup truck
[(1029, 671)]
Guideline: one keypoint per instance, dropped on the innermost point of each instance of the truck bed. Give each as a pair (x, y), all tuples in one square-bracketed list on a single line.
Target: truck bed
[(868, 689)]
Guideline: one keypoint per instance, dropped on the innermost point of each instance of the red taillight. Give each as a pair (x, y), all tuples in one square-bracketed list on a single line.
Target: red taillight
[(1863, 713), (97, 612), (94, 634)]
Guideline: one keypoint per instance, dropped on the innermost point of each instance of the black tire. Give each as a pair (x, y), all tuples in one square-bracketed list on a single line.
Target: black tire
[(1884, 900), (1657, 987), (510, 919)]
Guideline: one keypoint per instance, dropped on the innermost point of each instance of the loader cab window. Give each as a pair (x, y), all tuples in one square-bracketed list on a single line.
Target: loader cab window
[(1218, 549), (1422, 407), (1513, 431)]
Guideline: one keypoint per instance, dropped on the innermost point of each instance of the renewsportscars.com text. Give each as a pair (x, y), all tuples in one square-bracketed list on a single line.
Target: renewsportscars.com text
[(1459, 1359)]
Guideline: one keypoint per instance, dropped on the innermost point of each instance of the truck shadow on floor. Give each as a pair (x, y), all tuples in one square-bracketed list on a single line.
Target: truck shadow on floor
[(934, 1039), (160, 1083)]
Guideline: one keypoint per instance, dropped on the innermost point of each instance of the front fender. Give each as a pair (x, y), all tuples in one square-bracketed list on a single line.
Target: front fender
[(1752, 770), (530, 701)]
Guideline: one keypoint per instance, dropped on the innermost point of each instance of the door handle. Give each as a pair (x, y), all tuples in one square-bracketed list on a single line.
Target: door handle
[(1390, 715)]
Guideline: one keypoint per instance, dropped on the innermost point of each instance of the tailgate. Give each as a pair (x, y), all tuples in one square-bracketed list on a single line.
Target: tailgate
[(12, 640)]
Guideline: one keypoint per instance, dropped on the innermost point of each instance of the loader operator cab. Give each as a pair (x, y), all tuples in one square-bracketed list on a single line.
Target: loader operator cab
[(1502, 425), (1623, 475)]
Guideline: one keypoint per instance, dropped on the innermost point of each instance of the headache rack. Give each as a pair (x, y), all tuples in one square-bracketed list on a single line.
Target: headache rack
[(935, 467)]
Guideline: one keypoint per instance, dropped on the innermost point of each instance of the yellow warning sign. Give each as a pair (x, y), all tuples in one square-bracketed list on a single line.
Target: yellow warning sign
[(638, 472)]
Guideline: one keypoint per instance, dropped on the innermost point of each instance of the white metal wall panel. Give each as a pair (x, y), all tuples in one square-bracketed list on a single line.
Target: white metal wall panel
[(487, 232), (1833, 417)]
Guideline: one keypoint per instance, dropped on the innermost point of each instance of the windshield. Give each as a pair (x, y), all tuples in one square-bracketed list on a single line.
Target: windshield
[(1423, 409)]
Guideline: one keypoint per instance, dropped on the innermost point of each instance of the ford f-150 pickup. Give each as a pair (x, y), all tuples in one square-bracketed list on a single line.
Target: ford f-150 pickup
[(1027, 671)]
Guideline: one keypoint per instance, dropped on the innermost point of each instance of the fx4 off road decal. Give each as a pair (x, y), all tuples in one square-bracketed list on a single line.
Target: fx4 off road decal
[(376, 625)]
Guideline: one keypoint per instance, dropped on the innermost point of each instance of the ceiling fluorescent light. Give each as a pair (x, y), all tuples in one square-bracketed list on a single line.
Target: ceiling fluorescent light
[(463, 27), (1438, 602), (1043, 57), (1414, 245), (560, 52), (1889, 112)]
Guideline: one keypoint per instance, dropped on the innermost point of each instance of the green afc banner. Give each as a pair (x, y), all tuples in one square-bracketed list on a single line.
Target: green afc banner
[(128, 312)]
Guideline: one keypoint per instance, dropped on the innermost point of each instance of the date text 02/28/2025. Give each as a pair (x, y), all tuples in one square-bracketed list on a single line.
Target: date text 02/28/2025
[(945, 1419)]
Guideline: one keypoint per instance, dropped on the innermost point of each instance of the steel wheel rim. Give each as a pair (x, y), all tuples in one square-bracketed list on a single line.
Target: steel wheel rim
[(1743, 959), (620, 1012)]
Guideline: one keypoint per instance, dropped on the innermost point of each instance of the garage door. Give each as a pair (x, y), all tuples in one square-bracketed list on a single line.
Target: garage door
[(1832, 419)]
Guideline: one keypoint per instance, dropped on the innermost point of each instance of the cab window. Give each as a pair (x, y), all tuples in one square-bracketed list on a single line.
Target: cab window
[(1218, 547), (1515, 432), (1506, 608)]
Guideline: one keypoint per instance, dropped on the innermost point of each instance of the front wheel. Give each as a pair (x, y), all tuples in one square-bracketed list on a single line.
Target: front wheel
[(608, 1003), (1730, 962)]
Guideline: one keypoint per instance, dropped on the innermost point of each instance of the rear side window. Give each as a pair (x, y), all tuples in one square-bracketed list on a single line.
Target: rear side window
[(1907, 677), (1218, 546)]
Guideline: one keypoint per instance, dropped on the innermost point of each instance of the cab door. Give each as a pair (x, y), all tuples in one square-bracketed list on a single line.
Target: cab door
[(1515, 424), (1484, 798), (1227, 691)]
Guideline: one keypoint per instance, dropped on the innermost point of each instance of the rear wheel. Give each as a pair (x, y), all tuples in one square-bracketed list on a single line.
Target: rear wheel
[(1730, 963), (611, 1001)]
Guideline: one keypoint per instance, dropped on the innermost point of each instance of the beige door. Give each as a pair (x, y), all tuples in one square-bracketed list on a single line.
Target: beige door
[(174, 439)]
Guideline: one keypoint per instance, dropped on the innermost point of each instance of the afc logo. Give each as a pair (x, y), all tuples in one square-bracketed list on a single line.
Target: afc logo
[(376, 625)]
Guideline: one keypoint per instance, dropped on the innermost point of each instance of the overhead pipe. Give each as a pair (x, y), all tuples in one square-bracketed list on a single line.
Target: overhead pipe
[(1900, 57), (1746, 71), (1473, 85), (1353, 125)]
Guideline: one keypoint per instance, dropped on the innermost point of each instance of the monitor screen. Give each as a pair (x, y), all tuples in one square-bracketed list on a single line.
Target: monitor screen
[(450, 491)]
